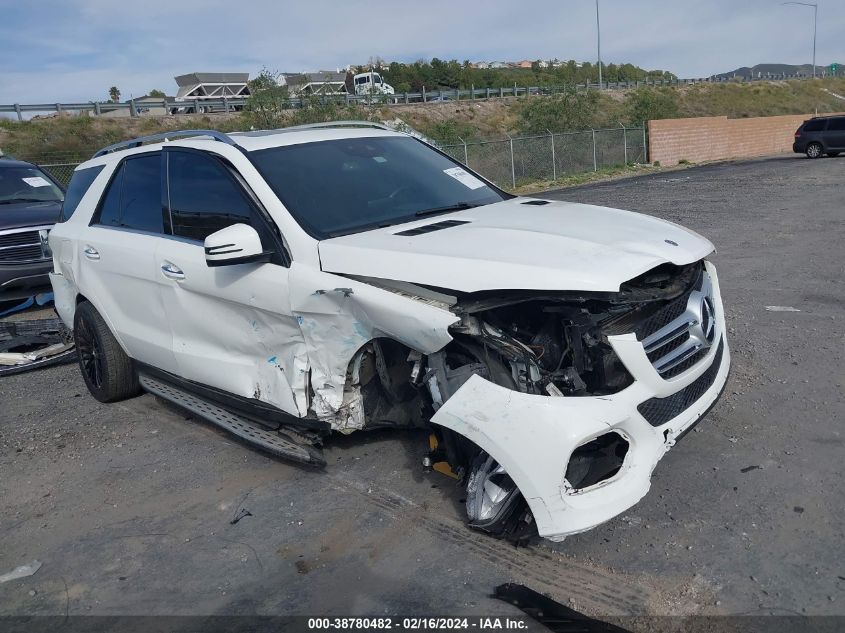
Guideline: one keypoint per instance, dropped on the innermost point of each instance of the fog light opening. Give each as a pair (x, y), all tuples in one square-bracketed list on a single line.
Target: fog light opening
[(596, 461)]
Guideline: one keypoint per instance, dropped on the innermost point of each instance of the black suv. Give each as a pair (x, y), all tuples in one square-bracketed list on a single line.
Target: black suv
[(30, 203), (820, 135)]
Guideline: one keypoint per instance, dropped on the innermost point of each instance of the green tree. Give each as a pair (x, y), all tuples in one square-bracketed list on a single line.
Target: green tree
[(155, 92), (264, 80), (267, 100), (646, 104), (114, 94), (568, 110)]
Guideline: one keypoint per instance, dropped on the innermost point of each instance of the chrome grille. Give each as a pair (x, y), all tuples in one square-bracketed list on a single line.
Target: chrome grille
[(658, 411), (24, 245), (682, 342)]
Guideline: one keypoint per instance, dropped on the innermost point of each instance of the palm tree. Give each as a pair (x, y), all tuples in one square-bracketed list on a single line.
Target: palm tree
[(114, 94)]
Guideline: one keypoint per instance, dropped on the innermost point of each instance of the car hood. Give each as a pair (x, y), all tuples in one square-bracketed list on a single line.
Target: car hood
[(23, 214), (514, 245)]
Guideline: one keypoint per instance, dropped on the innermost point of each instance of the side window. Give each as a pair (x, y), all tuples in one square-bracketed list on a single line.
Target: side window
[(816, 125), (80, 182), (141, 200), (837, 124), (132, 199), (204, 198), (109, 213)]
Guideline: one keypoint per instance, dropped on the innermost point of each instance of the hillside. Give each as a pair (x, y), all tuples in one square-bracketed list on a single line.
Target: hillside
[(766, 70), (70, 138)]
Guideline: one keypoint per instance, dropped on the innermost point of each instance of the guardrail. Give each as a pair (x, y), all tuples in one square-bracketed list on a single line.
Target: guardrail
[(198, 106)]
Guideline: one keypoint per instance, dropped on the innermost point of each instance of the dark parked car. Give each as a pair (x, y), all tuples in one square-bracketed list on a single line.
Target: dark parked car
[(820, 135), (30, 203)]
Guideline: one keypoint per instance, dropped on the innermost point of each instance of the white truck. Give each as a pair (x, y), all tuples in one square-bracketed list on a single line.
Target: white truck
[(371, 83)]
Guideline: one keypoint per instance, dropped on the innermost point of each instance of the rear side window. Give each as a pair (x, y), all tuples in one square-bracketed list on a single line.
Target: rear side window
[(133, 198), (80, 182), (837, 124), (141, 199), (109, 213), (816, 125), (204, 197)]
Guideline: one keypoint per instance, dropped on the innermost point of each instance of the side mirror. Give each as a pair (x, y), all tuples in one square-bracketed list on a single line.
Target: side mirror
[(236, 244)]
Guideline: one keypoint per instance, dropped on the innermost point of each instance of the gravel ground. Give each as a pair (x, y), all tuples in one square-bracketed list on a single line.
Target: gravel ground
[(129, 506)]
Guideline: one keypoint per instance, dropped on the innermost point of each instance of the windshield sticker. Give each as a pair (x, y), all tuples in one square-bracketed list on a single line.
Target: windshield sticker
[(36, 181), (464, 177)]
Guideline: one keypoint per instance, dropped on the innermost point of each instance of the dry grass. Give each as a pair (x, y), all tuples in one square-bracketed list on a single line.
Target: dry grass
[(58, 136)]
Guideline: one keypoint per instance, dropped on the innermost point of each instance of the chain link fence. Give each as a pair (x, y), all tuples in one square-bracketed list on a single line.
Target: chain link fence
[(517, 161), (61, 172), (509, 162)]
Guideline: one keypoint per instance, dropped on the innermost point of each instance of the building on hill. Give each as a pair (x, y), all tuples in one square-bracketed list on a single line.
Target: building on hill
[(324, 82), (212, 86)]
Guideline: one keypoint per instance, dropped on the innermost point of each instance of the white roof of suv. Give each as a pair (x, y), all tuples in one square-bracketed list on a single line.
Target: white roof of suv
[(256, 140)]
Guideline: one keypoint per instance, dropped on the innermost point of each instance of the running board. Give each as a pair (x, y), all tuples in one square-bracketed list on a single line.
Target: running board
[(270, 441)]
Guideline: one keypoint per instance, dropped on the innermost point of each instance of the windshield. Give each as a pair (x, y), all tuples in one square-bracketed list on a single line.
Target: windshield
[(346, 186), (27, 184)]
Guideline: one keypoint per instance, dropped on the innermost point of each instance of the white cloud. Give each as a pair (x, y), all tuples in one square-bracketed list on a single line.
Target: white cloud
[(88, 45)]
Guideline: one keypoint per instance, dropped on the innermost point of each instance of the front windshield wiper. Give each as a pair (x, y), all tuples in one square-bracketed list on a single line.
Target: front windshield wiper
[(460, 206), (16, 200)]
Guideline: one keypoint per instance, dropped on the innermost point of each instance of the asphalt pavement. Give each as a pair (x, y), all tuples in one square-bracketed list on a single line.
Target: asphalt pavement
[(130, 507)]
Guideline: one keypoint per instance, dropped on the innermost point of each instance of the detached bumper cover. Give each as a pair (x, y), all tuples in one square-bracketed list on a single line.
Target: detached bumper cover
[(534, 436)]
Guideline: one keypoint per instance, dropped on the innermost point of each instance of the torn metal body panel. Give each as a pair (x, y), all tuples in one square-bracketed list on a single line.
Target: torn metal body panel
[(338, 316)]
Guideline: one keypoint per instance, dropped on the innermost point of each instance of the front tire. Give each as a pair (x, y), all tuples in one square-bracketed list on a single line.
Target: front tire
[(494, 504), (814, 150), (107, 370)]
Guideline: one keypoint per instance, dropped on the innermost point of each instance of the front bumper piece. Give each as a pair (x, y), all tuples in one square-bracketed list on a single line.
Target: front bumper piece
[(533, 436)]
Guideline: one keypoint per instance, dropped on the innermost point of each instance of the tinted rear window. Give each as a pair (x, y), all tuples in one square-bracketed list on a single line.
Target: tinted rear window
[(132, 199), (142, 194), (837, 124), (110, 206), (80, 182), (816, 125)]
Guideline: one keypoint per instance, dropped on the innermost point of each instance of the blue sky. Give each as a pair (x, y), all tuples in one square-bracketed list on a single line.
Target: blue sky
[(73, 50)]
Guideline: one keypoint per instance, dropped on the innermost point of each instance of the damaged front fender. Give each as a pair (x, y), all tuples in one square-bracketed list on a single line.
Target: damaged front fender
[(338, 316)]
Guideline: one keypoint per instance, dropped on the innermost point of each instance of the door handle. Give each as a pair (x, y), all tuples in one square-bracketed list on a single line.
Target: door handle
[(172, 271), (91, 252)]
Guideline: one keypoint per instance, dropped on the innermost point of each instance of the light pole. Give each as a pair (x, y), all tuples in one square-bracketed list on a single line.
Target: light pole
[(598, 40), (815, 26)]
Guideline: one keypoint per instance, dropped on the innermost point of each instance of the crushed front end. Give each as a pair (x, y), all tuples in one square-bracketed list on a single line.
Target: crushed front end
[(557, 406)]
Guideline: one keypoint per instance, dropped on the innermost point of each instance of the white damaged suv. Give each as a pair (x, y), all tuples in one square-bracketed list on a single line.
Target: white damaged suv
[(292, 283)]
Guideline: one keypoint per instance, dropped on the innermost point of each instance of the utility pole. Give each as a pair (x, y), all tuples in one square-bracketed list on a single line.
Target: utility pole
[(815, 26), (598, 40)]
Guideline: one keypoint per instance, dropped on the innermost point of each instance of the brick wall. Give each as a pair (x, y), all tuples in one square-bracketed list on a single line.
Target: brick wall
[(718, 137)]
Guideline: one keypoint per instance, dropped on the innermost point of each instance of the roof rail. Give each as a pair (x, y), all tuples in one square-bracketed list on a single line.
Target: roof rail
[(165, 136), (315, 126), (405, 129), (309, 126)]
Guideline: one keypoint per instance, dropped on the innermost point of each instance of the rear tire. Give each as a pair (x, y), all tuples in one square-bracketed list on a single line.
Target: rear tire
[(833, 154), (107, 370), (814, 150)]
